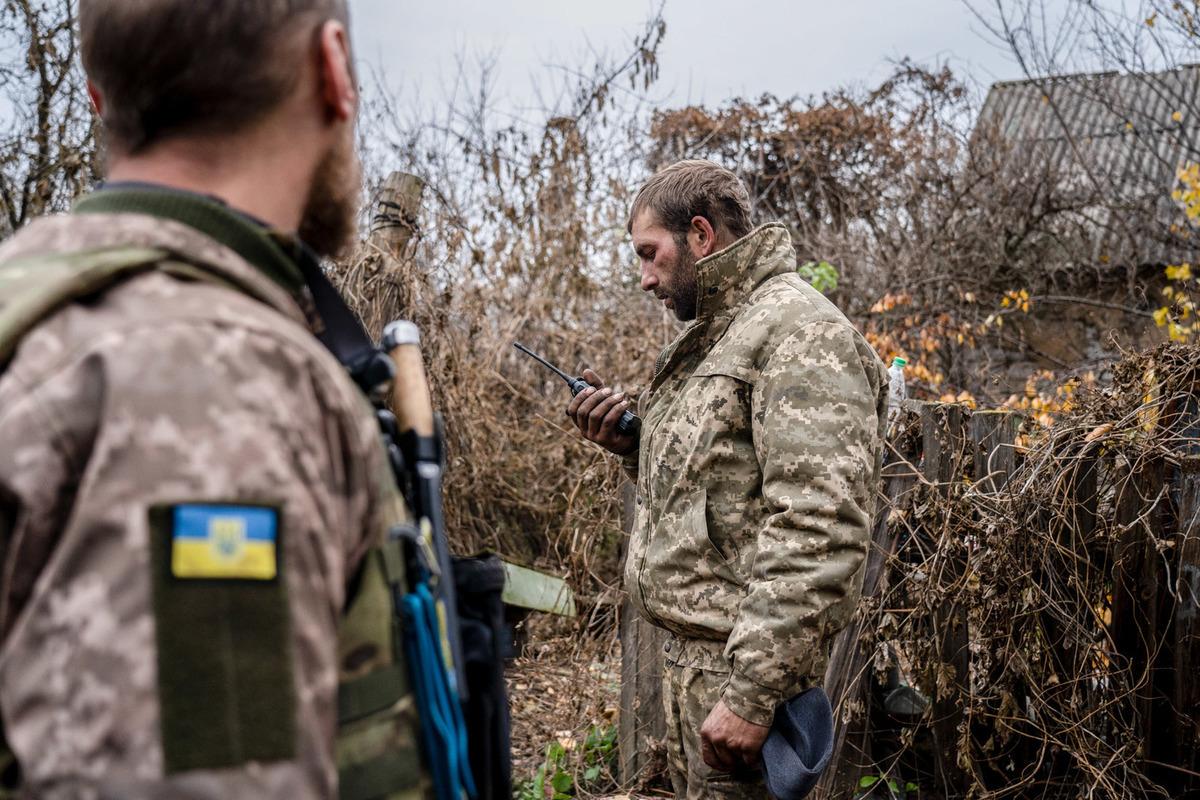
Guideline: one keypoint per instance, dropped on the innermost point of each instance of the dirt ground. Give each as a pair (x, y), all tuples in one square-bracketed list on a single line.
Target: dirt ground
[(565, 689)]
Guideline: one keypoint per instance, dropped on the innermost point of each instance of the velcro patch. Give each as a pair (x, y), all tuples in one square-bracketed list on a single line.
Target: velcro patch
[(224, 542), (226, 677)]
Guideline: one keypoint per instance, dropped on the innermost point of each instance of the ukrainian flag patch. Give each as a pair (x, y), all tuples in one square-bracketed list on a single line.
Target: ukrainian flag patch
[(224, 542)]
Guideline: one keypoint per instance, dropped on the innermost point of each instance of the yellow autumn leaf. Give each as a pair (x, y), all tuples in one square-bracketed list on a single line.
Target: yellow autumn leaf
[(1179, 272), (1161, 317)]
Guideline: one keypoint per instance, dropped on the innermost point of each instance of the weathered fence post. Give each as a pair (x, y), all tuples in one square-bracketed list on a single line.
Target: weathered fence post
[(395, 217), (642, 724), (995, 458), (1135, 619), (944, 440), (848, 678), (1179, 664), (1186, 696)]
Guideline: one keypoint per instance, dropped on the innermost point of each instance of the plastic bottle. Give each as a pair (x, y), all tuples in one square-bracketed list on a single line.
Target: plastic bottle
[(897, 393)]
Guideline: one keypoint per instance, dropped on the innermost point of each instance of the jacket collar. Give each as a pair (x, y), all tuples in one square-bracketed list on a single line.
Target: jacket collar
[(728, 276), (250, 238), (71, 232)]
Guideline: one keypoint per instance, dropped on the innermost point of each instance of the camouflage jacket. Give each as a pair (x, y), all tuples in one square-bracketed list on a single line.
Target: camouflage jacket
[(118, 677), (756, 472)]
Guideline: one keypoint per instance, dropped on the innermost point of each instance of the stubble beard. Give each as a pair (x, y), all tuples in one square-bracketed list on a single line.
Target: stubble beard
[(684, 288), (329, 224)]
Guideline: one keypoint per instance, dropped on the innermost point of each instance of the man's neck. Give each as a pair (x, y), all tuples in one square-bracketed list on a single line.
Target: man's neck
[(268, 183)]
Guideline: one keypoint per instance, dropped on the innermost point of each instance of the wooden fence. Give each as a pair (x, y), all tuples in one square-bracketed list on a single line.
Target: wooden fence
[(1153, 564), (949, 443)]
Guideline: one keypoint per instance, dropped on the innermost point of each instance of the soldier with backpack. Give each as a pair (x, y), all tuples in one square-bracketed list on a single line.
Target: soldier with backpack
[(195, 585)]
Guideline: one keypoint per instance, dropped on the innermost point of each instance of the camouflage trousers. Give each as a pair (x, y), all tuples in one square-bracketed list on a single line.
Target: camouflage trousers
[(692, 679)]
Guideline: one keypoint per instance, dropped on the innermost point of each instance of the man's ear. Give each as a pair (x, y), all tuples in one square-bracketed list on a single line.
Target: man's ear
[(702, 239), (96, 98), (338, 88)]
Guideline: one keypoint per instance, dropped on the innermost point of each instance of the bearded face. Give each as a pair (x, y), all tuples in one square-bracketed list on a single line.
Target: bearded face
[(667, 263), (329, 224), (681, 288)]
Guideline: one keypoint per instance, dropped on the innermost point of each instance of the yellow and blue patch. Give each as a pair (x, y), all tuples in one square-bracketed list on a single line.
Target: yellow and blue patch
[(224, 542)]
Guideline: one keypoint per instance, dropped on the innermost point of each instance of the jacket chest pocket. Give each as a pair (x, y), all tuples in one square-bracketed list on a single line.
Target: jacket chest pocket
[(716, 411)]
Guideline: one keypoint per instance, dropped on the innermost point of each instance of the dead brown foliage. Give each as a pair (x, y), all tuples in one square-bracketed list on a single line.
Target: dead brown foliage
[(928, 220), (521, 238), (1072, 586)]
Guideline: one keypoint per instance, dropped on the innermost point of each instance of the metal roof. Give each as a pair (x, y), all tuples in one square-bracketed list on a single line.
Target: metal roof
[(1121, 136)]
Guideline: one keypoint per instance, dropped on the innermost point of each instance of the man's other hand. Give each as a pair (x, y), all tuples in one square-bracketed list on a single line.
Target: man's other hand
[(728, 742), (596, 410)]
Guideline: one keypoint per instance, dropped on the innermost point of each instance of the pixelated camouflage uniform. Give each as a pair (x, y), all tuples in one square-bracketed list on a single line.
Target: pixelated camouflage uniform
[(758, 462), (164, 390)]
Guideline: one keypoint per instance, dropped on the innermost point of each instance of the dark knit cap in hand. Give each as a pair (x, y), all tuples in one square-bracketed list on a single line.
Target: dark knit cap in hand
[(799, 746)]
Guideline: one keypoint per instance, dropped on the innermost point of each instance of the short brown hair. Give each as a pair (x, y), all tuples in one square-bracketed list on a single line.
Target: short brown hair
[(169, 67), (695, 188)]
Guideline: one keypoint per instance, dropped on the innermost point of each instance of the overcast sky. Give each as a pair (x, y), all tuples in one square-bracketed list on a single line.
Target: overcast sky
[(714, 49)]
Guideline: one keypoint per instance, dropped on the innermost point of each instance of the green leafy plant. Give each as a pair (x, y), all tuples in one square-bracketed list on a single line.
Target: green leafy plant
[(599, 752), (821, 274), (552, 773), (555, 778), (883, 786)]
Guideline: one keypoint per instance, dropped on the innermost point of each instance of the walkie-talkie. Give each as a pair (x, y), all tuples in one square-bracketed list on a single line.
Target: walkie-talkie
[(628, 425)]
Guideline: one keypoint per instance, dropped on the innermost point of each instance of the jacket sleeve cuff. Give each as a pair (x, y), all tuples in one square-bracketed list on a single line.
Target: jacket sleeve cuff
[(748, 700)]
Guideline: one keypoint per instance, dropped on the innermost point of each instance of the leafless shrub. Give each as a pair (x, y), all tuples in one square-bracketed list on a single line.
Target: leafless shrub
[(48, 152)]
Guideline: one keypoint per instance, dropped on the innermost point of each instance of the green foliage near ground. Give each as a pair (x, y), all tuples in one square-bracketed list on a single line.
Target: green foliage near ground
[(870, 786), (569, 773)]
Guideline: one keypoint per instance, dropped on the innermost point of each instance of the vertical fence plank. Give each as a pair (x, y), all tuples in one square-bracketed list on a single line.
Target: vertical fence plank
[(1135, 593), (993, 455), (642, 724), (1187, 623), (1182, 663), (994, 459), (944, 438), (848, 678)]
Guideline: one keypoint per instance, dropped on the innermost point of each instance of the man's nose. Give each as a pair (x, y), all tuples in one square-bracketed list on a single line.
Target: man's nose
[(649, 279)]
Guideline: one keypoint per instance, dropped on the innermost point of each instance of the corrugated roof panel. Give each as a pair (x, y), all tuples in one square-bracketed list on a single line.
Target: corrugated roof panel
[(1122, 128)]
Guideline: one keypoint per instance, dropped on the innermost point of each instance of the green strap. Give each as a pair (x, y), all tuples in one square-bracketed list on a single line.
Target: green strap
[(33, 288), (392, 551), (373, 692), (380, 777)]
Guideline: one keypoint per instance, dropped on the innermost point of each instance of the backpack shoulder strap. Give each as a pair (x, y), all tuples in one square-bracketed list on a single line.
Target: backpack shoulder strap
[(33, 288)]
